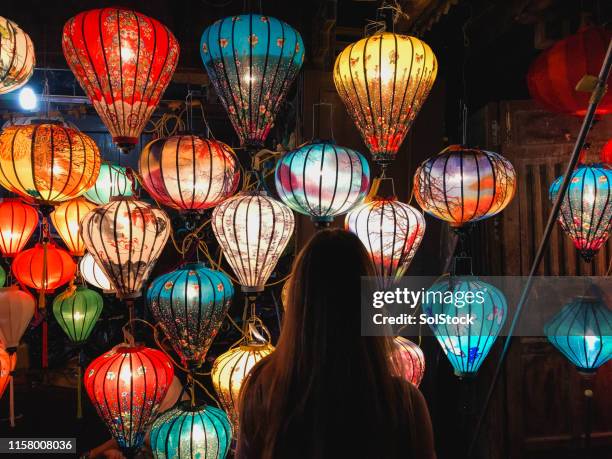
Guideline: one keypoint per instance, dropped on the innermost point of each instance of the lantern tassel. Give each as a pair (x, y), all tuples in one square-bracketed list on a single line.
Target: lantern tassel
[(11, 402)]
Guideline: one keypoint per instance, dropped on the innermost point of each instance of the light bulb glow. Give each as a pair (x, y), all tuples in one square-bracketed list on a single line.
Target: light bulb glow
[(28, 99)]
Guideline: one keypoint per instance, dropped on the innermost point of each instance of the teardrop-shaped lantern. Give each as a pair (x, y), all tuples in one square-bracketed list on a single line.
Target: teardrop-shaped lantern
[(67, 218), (189, 173), (252, 61), (126, 238), (93, 274), (189, 432), (76, 310), (408, 360), (17, 223), (253, 229), (322, 180), (44, 267), (17, 59), (586, 210), (16, 310), (127, 385), (112, 181), (384, 81), (49, 162), (462, 185), (124, 61), (190, 304), (8, 360)]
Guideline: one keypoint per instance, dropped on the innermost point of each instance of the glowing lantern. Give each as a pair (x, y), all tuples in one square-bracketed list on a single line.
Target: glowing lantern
[(48, 162), (606, 153), (17, 223), (7, 365), (17, 59), (582, 332), (191, 432), (127, 386), (93, 274), (76, 310), (67, 219), (44, 267), (586, 211), (322, 180), (409, 360), (253, 230), (462, 185), (16, 310), (126, 238), (112, 181), (384, 80), (190, 304), (251, 61), (189, 173), (124, 61)]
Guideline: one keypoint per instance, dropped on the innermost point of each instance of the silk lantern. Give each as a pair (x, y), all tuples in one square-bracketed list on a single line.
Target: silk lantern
[(112, 180), (44, 267), (17, 223), (93, 274), (17, 59), (76, 310), (67, 219), (124, 61), (7, 365), (251, 61), (16, 311), (408, 360), (189, 173)]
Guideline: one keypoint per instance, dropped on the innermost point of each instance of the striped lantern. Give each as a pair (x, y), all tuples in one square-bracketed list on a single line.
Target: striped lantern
[(44, 267), (408, 360), (17, 59), (77, 310), (16, 311), (67, 218), (93, 274), (112, 180), (17, 223)]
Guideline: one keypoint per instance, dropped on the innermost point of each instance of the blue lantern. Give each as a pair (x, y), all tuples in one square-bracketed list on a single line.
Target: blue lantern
[(251, 61), (582, 332), (190, 304)]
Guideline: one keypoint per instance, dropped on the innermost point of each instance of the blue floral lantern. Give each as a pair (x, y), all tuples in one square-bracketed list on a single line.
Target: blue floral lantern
[(190, 304), (251, 61)]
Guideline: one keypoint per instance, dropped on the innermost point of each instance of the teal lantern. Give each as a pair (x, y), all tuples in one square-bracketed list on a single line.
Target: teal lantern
[(190, 304), (191, 432), (582, 332), (76, 310), (112, 181)]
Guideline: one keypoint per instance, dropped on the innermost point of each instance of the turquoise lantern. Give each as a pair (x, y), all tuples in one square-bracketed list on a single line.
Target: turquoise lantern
[(190, 304), (112, 181)]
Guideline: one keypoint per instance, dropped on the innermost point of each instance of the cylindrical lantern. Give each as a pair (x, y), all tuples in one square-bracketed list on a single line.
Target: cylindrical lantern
[(127, 385), (253, 230), (462, 185), (48, 162), (190, 432), (44, 267), (126, 237), (76, 310), (17, 223), (189, 173), (384, 81), (93, 274), (112, 181), (190, 303), (408, 360), (67, 219), (7, 365), (17, 59), (251, 61), (16, 310), (322, 180), (124, 61)]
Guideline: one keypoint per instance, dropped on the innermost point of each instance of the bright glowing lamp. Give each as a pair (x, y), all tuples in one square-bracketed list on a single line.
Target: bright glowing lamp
[(27, 99), (17, 59), (93, 274), (112, 181), (408, 360), (67, 218), (17, 223), (77, 310), (44, 267)]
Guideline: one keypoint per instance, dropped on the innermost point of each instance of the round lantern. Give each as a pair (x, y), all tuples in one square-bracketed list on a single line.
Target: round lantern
[(44, 267), (76, 310), (17, 223), (190, 303), (189, 173), (67, 219), (586, 210), (93, 274), (126, 238), (606, 153), (253, 230), (112, 181), (16, 310), (48, 162), (251, 61), (124, 61), (465, 345), (322, 180), (408, 360), (462, 185), (17, 59), (7, 365), (384, 81), (127, 385), (191, 432), (582, 332), (553, 76)]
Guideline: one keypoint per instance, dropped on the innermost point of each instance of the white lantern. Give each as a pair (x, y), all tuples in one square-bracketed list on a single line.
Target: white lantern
[(93, 274), (17, 58)]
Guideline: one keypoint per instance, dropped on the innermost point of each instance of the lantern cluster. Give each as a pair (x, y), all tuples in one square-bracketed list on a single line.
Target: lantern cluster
[(77, 310), (112, 180), (17, 59)]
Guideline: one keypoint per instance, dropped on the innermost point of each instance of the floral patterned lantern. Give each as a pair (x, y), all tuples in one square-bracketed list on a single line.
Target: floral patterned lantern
[(408, 360), (93, 274), (77, 310), (44, 267), (17, 59), (7, 365), (112, 180), (16, 311), (124, 61), (251, 61), (67, 218), (17, 223)]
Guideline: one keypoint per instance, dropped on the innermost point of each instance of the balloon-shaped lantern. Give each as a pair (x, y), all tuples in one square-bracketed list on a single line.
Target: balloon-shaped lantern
[(253, 230), (322, 180), (7, 365), (462, 185), (251, 61), (190, 304), (124, 61), (586, 210), (189, 173), (126, 237), (17, 59), (93, 274), (44, 267), (67, 218), (16, 310), (384, 81), (408, 360), (17, 223), (127, 385), (112, 180), (77, 310)]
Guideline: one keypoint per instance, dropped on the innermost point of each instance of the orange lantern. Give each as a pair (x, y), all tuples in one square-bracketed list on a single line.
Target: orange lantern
[(44, 267), (7, 365), (17, 223), (67, 218)]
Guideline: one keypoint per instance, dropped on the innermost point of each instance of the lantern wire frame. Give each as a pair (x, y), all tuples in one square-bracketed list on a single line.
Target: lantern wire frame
[(17, 57)]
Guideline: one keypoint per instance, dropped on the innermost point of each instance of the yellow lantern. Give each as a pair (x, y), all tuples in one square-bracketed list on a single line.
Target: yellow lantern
[(67, 219), (17, 58)]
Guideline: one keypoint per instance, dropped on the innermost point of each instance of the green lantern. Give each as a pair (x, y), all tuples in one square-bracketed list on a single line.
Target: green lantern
[(2, 276), (77, 309)]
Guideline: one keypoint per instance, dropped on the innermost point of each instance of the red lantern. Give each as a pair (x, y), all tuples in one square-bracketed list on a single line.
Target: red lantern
[(124, 61), (606, 153), (408, 360), (44, 267), (17, 223), (553, 76), (7, 365)]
